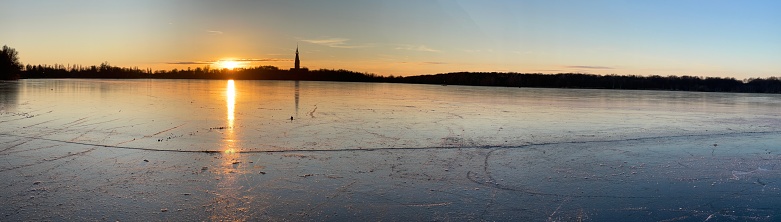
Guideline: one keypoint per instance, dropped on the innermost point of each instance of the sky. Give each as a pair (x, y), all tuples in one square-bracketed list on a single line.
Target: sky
[(740, 39)]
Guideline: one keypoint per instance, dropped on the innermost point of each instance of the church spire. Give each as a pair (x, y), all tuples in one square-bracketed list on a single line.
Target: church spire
[(298, 62)]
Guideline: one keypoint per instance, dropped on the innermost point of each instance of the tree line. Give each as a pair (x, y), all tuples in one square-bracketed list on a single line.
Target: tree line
[(591, 81), (561, 80), (10, 68)]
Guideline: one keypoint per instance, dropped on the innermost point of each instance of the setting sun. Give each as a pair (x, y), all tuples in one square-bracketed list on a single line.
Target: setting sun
[(228, 64)]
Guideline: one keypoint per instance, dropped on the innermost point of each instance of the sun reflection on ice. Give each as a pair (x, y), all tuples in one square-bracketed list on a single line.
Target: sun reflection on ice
[(229, 142), (229, 201), (230, 97)]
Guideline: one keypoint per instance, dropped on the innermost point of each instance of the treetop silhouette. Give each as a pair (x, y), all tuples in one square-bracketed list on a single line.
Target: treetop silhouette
[(10, 67)]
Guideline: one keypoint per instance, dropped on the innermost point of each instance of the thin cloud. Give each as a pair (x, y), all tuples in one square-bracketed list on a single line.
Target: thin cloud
[(425, 63), (190, 63), (420, 48), (222, 60), (214, 32), (589, 67), (335, 43), (478, 50), (521, 53), (263, 60)]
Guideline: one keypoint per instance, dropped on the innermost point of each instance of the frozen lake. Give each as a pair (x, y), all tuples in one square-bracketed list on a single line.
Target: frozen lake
[(229, 150)]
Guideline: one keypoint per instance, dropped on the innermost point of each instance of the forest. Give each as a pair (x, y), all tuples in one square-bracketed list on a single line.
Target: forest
[(561, 80), (11, 68), (592, 81)]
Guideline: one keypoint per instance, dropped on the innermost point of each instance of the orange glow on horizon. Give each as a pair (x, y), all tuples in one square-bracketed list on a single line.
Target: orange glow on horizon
[(228, 64)]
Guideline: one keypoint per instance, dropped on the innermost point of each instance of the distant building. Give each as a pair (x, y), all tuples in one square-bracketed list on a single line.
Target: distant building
[(297, 66), (298, 62)]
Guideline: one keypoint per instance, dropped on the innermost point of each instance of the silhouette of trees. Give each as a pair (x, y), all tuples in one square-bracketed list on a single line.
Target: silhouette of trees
[(105, 71), (769, 85), (9, 63), (561, 80), (590, 81)]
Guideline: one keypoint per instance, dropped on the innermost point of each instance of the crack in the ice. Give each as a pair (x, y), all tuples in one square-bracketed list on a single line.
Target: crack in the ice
[(48, 160), (396, 148), (14, 146), (491, 182)]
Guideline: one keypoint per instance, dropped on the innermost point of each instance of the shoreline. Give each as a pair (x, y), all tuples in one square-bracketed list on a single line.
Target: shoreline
[(402, 82)]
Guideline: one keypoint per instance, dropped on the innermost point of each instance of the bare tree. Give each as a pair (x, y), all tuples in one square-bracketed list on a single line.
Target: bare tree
[(9, 63)]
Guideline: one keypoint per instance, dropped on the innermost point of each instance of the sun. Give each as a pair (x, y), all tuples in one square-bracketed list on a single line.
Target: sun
[(229, 64)]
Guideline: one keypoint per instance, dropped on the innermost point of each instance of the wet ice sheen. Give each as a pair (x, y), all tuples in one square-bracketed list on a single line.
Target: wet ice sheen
[(228, 150)]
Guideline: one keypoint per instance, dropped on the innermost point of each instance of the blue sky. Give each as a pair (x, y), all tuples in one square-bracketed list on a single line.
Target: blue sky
[(740, 39)]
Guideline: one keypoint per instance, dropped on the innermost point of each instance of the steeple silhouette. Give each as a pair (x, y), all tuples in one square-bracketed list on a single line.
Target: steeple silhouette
[(298, 62)]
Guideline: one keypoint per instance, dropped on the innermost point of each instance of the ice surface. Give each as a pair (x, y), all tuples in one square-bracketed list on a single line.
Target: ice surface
[(228, 150)]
